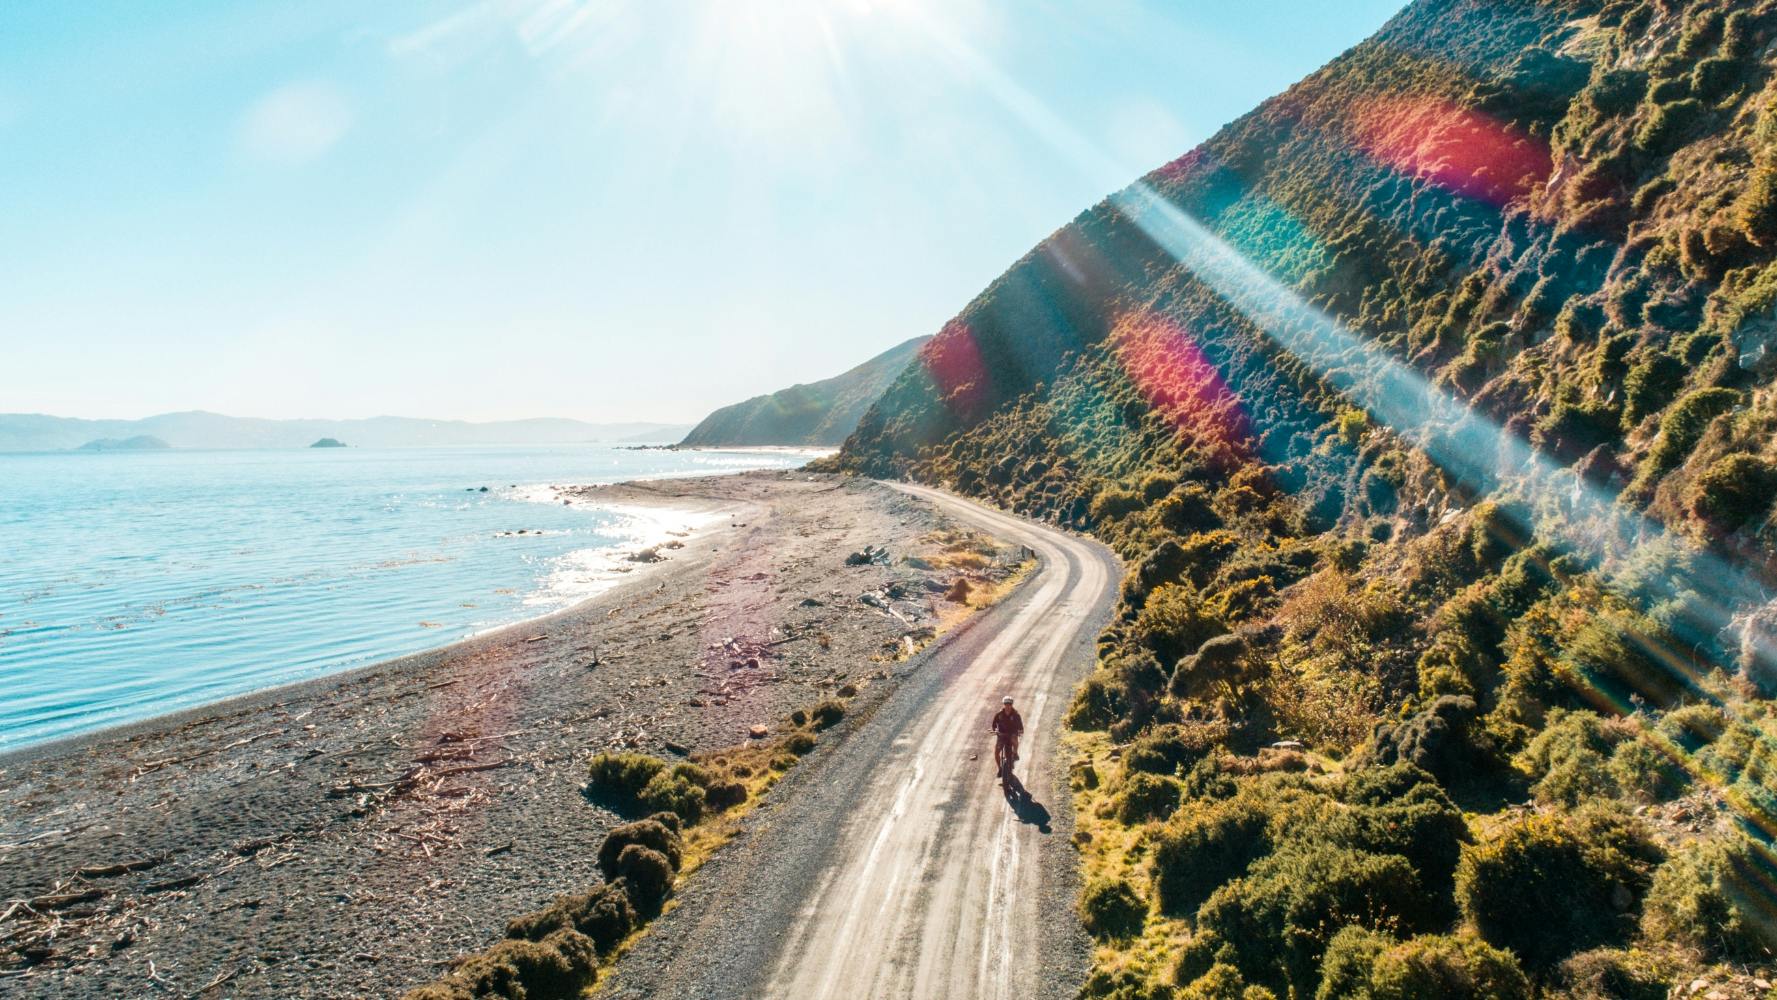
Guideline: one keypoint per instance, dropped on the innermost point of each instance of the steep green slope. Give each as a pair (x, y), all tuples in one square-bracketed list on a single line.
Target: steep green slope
[(1431, 406), (818, 413)]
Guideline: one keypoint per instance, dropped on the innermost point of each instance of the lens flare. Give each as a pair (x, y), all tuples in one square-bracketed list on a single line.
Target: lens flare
[(1454, 148), (953, 360), (1178, 380)]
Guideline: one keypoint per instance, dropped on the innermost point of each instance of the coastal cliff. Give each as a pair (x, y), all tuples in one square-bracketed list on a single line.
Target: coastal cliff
[(1430, 404), (818, 413)]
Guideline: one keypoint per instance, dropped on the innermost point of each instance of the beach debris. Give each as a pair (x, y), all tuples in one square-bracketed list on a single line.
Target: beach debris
[(535, 638), (651, 554), (759, 732), (869, 555), (183, 882), (505, 848), (121, 868)]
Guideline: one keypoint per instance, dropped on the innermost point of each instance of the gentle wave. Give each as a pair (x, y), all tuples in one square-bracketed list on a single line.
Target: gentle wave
[(132, 585)]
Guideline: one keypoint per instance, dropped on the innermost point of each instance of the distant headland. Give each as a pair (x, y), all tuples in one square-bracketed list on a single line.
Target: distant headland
[(141, 442), (328, 443)]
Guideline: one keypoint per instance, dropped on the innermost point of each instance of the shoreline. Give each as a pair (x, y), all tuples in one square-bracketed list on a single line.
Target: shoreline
[(259, 697), (622, 568)]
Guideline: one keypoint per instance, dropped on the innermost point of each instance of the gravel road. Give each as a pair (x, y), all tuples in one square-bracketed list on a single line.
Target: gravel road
[(889, 864)]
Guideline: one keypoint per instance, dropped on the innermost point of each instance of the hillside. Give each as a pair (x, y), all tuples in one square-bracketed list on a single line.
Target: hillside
[(198, 429), (1430, 406), (818, 413)]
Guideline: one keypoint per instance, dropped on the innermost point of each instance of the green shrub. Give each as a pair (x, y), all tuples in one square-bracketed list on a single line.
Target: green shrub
[(1221, 982), (799, 743), (1716, 895), (1155, 485), (722, 796), (1363, 964), (1145, 797), (1667, 126), (1615, 651), (1683, 425), (1096, 704), (604, 915), (649, 833), (620, 778), (1174, 623), (827, 714), (1114, 504), (1220, 665), (1280, 916), (1755, 211), (1544, 891), (1442, 739), (1428, 832), (1612, 974), (1574, 428), (677, 793), (1651, 383), (557, 968), (1188, 511), (1111, 909), (646, 875), (1693, 727), (1644, 771), (1389, 784), (1569, 759), (1203, 848), (1734, 491), (1175, 746), (1712, 79)]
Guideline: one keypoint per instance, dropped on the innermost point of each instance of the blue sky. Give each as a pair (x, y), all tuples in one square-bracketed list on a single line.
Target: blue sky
[(606, 209)]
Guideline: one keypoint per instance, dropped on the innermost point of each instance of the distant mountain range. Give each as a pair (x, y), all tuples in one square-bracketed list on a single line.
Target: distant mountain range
[(198, 429), (818, 413)]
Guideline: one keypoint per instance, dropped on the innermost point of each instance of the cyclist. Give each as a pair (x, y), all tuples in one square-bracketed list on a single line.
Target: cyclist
[(1007, 726)]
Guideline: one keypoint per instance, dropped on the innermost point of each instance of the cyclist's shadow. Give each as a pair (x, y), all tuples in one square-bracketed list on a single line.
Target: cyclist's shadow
[(1028, 810)]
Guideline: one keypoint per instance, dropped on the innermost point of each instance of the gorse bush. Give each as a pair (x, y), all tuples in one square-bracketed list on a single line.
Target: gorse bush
[(1204, 847), (622, 776), (1717, 896), (1362, 964), (1279, 917), (604, 915), (1146, 797), (651, 833), (1546, 887), (1111, 908), (558, 967)]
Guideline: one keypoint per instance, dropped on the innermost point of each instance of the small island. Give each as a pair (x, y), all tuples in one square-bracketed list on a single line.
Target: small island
[(328, 443), (141, 442)]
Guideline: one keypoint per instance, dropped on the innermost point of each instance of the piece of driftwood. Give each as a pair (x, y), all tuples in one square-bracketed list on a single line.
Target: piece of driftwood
[(121, 868)]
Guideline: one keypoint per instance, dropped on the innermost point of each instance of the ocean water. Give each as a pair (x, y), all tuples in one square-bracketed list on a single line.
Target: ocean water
[(134, 584)]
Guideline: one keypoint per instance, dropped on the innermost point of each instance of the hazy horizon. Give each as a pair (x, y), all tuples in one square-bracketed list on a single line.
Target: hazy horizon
[(519, 208)]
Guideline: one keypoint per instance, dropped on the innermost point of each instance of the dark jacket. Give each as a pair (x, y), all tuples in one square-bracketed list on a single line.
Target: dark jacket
[(1007, 722)]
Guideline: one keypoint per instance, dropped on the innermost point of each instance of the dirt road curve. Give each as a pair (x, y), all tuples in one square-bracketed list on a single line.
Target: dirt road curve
[(895, 868)]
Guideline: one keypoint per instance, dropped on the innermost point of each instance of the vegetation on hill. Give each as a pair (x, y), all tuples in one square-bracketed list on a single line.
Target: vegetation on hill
[(1444, 657), (818, 413)]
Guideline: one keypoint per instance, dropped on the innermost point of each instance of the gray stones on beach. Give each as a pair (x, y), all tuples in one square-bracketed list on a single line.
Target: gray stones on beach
[(868, 555)]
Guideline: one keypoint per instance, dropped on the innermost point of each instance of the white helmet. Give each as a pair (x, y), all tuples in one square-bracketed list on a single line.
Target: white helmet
[(1007, 700)]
